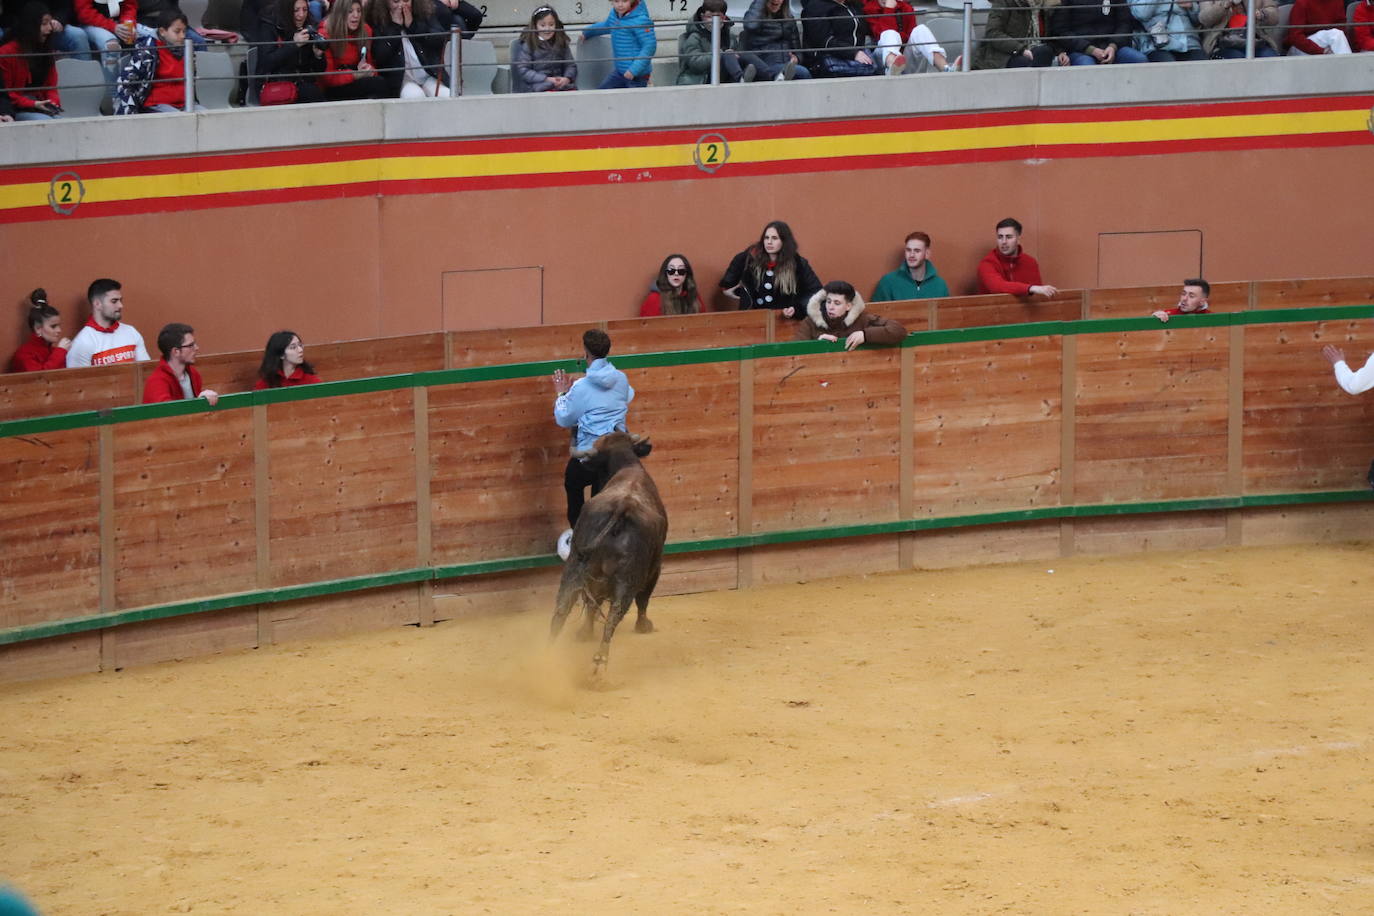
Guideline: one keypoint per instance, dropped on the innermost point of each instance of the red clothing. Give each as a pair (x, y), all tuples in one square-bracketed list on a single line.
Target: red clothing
[(1362, 22), (880, 19), (1014, 275), (27, 80), (298, 376), (36, 355), (169, 81), (343, 69), (163, 385), (1178, 311), (1322, 14), (88, 12), (652, 306)]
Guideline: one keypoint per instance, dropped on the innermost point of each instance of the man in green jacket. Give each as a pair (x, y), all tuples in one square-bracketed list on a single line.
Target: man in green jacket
[(917, 279)]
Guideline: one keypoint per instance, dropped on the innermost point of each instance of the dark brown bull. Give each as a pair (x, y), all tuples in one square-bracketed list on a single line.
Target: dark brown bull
[(617, 545)]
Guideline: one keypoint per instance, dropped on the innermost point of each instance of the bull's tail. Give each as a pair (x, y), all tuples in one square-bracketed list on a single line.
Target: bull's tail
[(608, 525)]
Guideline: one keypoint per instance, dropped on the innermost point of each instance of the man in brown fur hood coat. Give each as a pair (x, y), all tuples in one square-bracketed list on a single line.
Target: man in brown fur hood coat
[(837, 311)]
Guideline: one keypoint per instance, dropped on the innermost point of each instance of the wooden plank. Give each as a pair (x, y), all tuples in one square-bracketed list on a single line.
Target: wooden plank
[(986, 426), (184, 517), (688, 332), (1150, 415), (1068, 432), (980, 311), (914, 314), (185, 637), (519, 592), (809, 561), (1301, 431), (1319, 524), (825, 439), (688, 574), (41, 394), (983, 544), (1316, 291), (61, 656), (423, 510), (1140, 533), (337, 615), (906, 458), (1235, 427), (498, 346), (262, 499), (343, 486), (50, 534), (496, 470), (1140, 301), (333, 361), (745, 494)]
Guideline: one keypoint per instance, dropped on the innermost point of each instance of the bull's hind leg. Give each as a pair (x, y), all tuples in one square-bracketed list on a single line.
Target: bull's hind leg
[(619, 605), (589, 615), (642, 623)]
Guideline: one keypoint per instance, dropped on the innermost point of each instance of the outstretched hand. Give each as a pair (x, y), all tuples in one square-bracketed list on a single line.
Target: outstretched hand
[(1333, 354), (561, 382)]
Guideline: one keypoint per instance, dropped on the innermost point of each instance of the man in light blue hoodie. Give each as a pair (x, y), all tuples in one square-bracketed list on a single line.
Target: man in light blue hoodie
[(632, 42), (591, 407)]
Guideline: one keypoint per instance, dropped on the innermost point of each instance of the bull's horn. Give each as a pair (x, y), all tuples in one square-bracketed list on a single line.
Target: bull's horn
[(636, 438), (580, 453)]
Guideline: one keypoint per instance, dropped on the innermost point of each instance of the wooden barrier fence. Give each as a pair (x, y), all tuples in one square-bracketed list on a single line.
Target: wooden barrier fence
[(143, 533), (33, 394)]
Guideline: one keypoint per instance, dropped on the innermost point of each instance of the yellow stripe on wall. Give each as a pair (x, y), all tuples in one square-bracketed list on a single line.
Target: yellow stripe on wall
[(544, 162)]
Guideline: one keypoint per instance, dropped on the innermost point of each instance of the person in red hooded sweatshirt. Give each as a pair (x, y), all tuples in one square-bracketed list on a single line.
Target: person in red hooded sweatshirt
[(176, 377), (1008, 269), (46, 348)]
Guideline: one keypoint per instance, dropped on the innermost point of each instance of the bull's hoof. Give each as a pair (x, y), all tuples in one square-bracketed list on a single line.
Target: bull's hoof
[(598, 667), (644, 625)]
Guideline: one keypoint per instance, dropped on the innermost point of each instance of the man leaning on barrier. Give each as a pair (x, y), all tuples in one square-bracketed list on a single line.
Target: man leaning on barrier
[(1008, 269), (837, 312), (176, 377), (1191, 301)]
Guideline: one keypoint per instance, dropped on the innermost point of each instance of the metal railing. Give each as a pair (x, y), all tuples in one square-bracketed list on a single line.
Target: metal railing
[(456, 66)]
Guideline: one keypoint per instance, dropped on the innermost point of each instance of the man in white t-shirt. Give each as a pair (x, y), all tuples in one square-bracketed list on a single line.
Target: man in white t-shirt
[(104, 341)]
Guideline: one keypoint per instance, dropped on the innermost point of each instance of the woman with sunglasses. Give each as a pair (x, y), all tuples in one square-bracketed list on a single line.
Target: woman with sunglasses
[(770, 274), (675, 290)]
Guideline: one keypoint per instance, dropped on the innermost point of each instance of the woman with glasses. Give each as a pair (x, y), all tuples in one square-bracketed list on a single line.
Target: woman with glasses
[(283, 363), (541, 59), (770, 274), (675, 290)]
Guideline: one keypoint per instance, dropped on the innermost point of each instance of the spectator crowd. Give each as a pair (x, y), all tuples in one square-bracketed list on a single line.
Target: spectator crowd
[(315, 50)]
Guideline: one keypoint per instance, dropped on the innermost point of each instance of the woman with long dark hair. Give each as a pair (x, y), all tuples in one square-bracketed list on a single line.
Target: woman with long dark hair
[(292, 66), (675, 290), (349, 73), (283, 363), (770, 274), (541, 59), (26, 65), (409, 48)]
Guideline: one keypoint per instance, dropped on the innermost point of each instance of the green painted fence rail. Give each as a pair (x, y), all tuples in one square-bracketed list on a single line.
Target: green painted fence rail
[(46, 630), (137, 413)]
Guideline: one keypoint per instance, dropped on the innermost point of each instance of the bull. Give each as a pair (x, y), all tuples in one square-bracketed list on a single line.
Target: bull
[(617, 544)]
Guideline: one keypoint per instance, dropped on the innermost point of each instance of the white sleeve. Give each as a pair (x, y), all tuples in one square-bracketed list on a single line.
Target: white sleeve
[(79, 353), (1352, 382), (141, 351)]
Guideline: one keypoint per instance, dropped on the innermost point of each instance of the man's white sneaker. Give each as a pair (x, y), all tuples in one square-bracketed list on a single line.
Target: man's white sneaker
[(565, 545)]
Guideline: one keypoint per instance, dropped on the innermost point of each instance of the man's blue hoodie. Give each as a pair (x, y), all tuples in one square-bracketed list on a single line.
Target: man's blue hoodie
[(595, 404)]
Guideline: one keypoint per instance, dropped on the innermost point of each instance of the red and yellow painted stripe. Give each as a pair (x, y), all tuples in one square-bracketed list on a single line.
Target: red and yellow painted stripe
[(200, 182)]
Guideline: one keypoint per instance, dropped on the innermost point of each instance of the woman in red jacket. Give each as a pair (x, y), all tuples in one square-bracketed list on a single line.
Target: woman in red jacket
[(675, 290), (283, 363), (46, 348), (349, 73), (26, 65)]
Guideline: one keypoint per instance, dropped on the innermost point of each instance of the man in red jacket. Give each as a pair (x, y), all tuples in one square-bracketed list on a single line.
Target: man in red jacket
[(1008, 269), (175, 377)]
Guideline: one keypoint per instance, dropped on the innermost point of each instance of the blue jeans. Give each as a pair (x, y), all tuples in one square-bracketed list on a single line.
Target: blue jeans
[(1123, 56), (833, 65), (72, 41), (617, 80), (770, 71), (31, 116)]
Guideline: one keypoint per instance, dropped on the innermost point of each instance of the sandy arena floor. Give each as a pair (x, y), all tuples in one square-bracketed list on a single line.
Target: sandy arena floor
[(1171, 734)]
